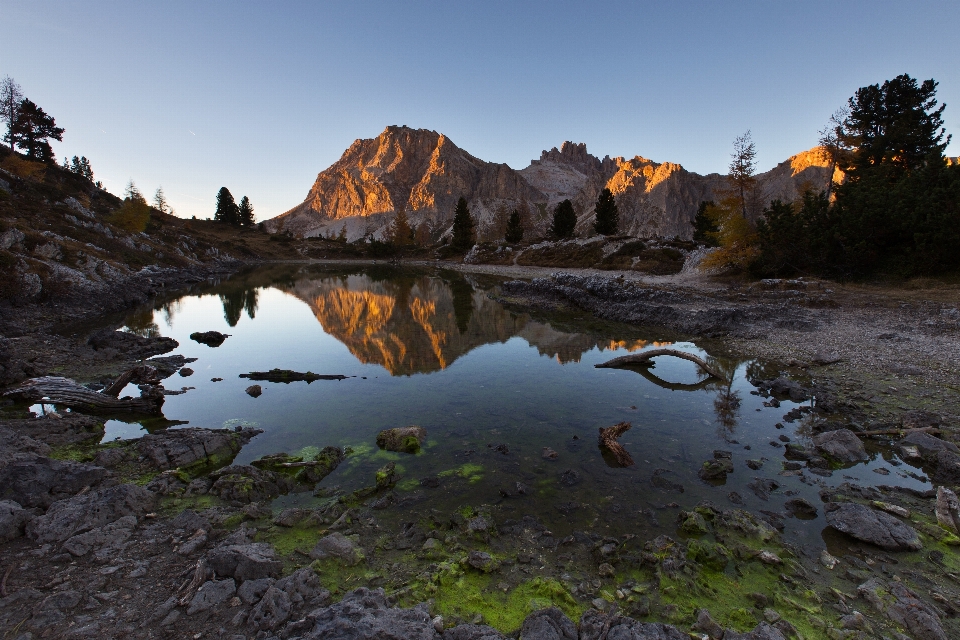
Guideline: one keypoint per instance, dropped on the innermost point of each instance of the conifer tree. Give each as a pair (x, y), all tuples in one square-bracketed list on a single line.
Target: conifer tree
[(564, 220), (463, 237), (227, 210), (160, 201), (245, 212), (10, 98), (608, 218), (742, 168), (514, 232), (343, 233), (704, 226), (400, 233), (32, 129)]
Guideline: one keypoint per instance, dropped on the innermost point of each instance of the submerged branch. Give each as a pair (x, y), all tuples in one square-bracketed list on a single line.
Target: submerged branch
[(608, 440)]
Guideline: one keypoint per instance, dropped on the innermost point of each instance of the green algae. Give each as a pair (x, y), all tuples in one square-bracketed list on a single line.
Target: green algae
[(470, 471)]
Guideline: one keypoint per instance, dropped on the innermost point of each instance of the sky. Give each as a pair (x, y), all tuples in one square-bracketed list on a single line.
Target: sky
[(261, 96)]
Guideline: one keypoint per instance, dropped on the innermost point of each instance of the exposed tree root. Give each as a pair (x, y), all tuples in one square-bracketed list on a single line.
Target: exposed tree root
[(644, 357)]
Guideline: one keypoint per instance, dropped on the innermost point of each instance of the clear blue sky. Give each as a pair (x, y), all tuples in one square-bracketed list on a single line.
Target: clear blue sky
[(260, 97)]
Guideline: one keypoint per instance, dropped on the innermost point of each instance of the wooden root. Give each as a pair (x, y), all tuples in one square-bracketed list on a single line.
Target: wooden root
[(896, 432), (608, 440), (645, 356), (144, 374), (66, 392)]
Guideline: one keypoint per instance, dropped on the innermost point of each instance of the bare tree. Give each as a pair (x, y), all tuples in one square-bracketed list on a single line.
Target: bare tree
[(10, 98), (832, 141), (742, 168)]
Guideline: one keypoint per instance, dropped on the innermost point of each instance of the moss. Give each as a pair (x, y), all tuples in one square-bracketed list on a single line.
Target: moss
[(293, 541), (470, 471)]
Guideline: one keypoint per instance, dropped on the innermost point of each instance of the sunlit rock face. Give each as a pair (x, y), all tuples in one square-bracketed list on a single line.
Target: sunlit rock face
[(414, 326), (420, 170)]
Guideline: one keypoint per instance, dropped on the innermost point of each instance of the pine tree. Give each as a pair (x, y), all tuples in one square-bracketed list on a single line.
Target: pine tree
[(564, 220), (400, 233), (85, 169), (32, 129), (160, 201), (462, 226), (227, 210), (608, 218), (704, 227), (245, 212), (514, 232), (10, 98)]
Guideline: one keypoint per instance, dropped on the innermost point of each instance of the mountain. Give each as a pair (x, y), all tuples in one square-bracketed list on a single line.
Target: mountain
[(425, 173)]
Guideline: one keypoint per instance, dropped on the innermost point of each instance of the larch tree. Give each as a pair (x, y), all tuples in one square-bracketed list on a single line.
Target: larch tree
[(607, 219), (463, 236), (742, 169), (160, 201), (10, 98)]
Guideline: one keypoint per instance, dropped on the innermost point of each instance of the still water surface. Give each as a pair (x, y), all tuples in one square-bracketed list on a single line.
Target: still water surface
[(432, 349)]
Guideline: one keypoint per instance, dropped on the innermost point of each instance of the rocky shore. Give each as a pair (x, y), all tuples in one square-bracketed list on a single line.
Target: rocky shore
[(165, 537)]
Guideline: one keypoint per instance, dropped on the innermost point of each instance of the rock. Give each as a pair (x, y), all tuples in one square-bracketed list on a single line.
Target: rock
[(763, 487), (184, 448), (272, 611), (768, 557), (595, 625), (826, 357), (111, 535), (482, 561), (303, 586), (130, 345), (796, 451), (68, 517), (904, 608), (895, 509), (246, 561), (785, 388), (209, 338), (430, 482), (251, 591), (691, 523), (13, 519), (570, 478), (947, 509), (707, 625), (841, 445), (918, 419), (763, 631), (660, 482), (210, 594), (166, 366), (800, 508), (927, 445), (715, 471), (875, 527), (254, 391), (472, 632), (337, 545), (243, 484), (478, 524), (364, 614), (548, 624), (39, 482), (755, 464), (402, 439), (186, 372), (606, 570), (549, 454), (828, 560), (946, 468)]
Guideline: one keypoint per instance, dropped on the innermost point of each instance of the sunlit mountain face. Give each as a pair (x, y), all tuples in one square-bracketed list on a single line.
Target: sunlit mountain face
[(422, 324)]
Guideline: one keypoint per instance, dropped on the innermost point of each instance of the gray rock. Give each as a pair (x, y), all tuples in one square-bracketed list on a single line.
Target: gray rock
[(210, 594), (249, 561), (947, 509), (762, 631), (826, 357), (800, 508), (928, 446), (63, 600), (209, 338), (131, 345), (363, 614), (66, 518), (107, 536), (39, 482), (303, 585), (254, 391), (841, 445), (592, 625), (178, 448), (252, 590), (946, 468), (271, 612), (875, 527), (243, 484), (13, 519), (292, 517), (473, 632), (548, 624), (337, 545), (905, 608), (716, 470), (402, 439), (482, 560), (708, 625)]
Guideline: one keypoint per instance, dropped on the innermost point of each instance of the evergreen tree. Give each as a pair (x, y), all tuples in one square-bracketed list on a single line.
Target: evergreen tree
[(245, 212), (399, 232), (10, 98), (742, 168), (704, 227), (463, 237), (514, 231), (227, 210), (564, 220), (32, 129), (608, 218)]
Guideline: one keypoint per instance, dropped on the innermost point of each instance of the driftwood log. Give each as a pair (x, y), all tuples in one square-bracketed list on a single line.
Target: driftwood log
[(643, 358), (896, 432), (608, 441), (286, 375), (66, 392), (144, 374)]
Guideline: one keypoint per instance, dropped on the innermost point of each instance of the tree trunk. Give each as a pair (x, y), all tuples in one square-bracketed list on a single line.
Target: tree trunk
[(644, 357), (66, 392)]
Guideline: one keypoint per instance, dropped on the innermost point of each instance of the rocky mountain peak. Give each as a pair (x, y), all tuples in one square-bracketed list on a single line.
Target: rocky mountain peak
[(570, 154)]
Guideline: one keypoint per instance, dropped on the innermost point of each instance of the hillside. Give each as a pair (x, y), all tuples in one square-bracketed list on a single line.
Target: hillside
[(424, 172)]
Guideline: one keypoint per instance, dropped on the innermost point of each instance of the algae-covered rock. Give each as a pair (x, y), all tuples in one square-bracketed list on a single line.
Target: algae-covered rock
[(309, 470), (715, 471), (482, 561), (184, 448), (336, 545), (691, 523), (948, 509), (245, 484), (402, 439), (548, 624), (875, 527)]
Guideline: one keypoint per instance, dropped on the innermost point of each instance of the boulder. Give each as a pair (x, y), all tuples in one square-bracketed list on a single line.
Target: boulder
[(946, 468), (472, 632), (130, 345), (209, 338), (68, 517), (903, 607), (39, 481), (181, 448), (272, 611), (841, 445), (482, 561), (248, 561), (800, 508), (13, 519), (927, 445), (402, 439), (364, 614), (244, 484), (254, 391), (303, 586), (874, 527), (336, 545), (210, 594), (251, 591), (548, 624), (595, 625), (715, 471), (947, 509)]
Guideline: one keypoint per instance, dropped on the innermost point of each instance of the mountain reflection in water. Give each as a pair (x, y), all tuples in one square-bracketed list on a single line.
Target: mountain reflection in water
[(421, 324)]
